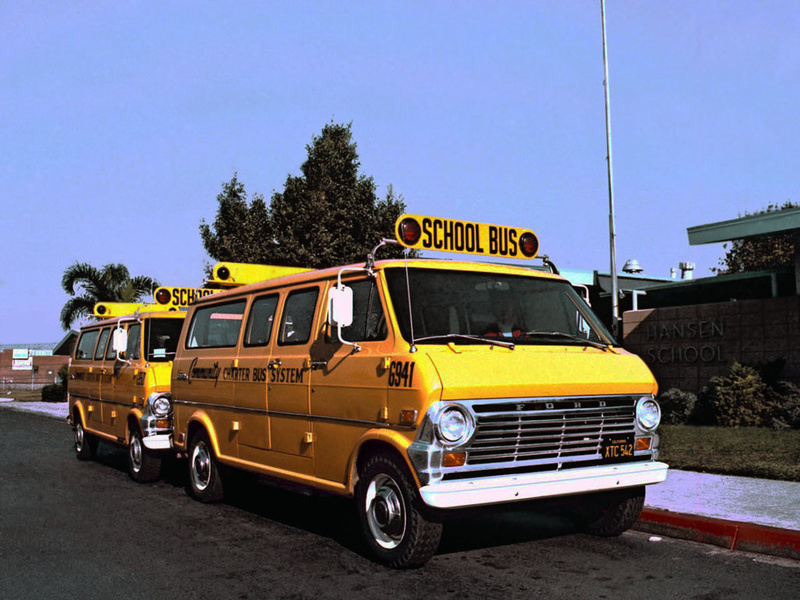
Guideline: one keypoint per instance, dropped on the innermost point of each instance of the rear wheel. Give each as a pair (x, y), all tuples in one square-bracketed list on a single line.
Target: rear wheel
[(143, 466), (388, 503), (617, 514), (85, 443), (205, 479)]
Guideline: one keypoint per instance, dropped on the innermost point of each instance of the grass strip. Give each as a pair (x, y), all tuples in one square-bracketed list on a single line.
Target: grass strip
[(746, 451)]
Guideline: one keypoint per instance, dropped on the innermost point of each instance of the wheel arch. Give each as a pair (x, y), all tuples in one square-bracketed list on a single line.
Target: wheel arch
[(374, 442)]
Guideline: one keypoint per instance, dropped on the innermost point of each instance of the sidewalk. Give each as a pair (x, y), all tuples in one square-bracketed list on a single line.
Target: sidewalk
[(739, 513)]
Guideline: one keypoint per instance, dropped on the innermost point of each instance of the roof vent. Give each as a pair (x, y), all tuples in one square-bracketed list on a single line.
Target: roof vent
[(632, 266)]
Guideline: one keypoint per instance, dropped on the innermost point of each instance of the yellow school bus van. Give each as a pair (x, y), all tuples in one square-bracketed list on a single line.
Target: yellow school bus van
[(418, 388), (118, 376)]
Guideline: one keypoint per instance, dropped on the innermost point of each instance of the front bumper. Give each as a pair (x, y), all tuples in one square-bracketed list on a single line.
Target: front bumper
[(162, 441), (528, 486)]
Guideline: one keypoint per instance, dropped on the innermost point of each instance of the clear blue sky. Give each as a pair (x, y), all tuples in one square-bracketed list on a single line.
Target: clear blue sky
[(119, 122)]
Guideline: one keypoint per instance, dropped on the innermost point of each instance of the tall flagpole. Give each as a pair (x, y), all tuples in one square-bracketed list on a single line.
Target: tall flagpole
[(612, 235)]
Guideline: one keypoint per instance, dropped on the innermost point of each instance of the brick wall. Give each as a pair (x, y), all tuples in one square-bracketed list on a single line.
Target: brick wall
[(45, 371), (686, 346)]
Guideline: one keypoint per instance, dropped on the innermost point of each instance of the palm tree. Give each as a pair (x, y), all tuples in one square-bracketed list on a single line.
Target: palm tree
[(112, 283)]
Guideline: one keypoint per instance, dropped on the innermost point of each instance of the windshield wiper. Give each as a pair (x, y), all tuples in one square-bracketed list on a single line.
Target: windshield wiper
[(471, 338), (567, 336)]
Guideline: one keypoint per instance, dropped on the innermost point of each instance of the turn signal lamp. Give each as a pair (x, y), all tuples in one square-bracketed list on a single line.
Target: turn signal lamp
[(408, 417), (454, 459), (643, 443)]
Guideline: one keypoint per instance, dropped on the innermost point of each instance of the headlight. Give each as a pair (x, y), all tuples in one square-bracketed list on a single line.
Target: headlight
[(161, 406), (454, 425), (648, 413)]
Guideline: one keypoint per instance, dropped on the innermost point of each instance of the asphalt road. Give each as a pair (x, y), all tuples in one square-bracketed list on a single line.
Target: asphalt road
[(70, 529)]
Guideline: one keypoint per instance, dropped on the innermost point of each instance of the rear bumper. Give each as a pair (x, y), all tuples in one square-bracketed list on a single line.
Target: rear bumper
[(510, 488)]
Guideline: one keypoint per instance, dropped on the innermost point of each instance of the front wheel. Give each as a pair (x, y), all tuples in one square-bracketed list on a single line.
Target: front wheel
[(388, 503), (205, 480), (85, 443), (143, 466), (618, 514)]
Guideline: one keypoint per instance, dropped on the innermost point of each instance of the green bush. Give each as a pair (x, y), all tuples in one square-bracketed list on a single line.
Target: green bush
[(54, 392), (740, 398), (784, 397), (676, 406)]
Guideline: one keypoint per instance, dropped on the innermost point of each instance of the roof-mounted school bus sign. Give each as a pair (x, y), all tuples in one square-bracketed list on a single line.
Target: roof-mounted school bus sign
[(448, 235)]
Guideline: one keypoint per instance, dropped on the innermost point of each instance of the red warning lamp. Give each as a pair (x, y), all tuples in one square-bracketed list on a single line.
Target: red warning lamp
[(528, 244), (163, 296), (101, 309), (409, 231), (223, 273)]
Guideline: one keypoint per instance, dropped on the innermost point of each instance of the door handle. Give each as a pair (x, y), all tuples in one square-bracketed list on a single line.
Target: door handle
[(315, 364), (274, 364)]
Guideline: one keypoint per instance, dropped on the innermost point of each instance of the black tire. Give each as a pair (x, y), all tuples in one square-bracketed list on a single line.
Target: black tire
[(85, 443), (618, 514), (388, 503), (143, 465), (205, 479)]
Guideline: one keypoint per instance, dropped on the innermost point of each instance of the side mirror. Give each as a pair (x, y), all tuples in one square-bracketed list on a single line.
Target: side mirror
[(340, 311), (119, 341), (340, 306)]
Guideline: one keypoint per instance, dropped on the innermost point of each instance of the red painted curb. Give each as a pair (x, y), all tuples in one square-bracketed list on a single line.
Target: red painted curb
[(719, 532)]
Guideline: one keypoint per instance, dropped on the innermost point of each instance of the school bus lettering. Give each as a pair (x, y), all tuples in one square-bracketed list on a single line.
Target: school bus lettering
[(179, 297), (401, 374), (286, 375), (447, 235)]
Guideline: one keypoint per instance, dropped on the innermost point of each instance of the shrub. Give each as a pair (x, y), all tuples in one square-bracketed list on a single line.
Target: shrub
[(676, 406), (54, 392), (784, 398), (704, 412), (741, 398)]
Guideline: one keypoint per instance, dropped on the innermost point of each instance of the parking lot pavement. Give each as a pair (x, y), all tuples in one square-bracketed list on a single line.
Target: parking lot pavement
[(739, 513)]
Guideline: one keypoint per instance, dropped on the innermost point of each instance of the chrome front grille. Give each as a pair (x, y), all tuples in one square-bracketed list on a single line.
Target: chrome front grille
[(547, 431)]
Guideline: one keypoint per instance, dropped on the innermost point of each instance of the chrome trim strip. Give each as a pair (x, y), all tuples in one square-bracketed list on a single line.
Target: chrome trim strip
[(262, 411)]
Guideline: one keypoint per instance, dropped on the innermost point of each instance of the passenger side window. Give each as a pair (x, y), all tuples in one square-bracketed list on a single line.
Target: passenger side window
[(298, 317), (132, 350), (259, 324), (86, 345), (369, 323), (216, 326), (101, 345)]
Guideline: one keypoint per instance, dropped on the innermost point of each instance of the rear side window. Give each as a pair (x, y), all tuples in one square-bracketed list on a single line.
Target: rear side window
[(298, 317), (86, 345), (216, 326), (259, 324)]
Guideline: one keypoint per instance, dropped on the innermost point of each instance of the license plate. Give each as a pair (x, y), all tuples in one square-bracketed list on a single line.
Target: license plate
[(617, 447)]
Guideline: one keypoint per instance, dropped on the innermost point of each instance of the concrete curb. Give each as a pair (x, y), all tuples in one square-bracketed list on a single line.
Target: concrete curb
[(719, 532)]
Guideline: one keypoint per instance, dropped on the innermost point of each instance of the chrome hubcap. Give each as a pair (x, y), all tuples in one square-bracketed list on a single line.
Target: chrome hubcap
[(385, 509), (135, 452), (200, 466), (79, 437)]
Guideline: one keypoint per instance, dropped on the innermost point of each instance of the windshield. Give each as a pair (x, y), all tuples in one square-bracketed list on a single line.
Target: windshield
[(162, 339), (473, 307)]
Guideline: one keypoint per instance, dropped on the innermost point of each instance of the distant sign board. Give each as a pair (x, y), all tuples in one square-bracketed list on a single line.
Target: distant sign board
[(22, 364), (19, 354)]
